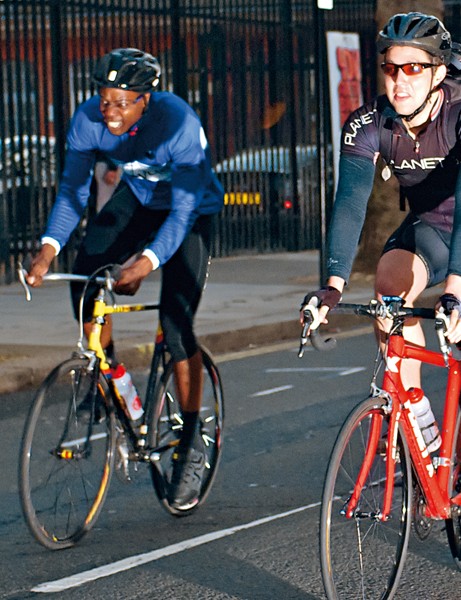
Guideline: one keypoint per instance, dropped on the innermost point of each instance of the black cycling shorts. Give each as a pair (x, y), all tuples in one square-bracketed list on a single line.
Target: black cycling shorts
[(123, 228), (430, 244)]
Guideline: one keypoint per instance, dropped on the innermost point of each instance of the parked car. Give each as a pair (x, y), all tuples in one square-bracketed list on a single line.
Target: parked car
[(27, 188), (27, 161), (263, 175)]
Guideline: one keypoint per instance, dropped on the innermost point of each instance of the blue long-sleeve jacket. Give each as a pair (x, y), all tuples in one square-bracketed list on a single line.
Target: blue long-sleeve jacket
[(165, 160)]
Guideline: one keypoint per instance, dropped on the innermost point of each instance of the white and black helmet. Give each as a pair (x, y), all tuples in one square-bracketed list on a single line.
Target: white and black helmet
[(128, 69)]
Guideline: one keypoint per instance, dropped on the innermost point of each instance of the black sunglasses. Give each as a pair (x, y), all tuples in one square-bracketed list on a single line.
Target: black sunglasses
[(392, 69)]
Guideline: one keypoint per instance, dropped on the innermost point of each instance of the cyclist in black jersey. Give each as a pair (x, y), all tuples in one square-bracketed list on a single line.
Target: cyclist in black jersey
[(415, 127)]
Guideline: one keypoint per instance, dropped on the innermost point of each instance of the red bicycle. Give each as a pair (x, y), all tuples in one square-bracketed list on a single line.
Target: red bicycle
[(380, 475)]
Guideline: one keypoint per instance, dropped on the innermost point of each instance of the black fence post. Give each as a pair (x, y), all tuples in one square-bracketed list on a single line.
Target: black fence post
[(178, 53), (321, 131), (289, 62), (57, 14)]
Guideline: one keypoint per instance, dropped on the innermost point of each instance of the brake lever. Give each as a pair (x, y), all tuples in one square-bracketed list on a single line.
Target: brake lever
[(311, 321), (22, 280), (441, 325), (303, 339)]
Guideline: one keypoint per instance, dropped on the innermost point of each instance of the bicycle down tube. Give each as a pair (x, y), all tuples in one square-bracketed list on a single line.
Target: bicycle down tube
[(437, 496)]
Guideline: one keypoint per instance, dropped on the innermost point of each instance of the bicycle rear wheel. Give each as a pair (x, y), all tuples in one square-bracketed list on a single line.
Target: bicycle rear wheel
[(166, 428), (67, 456), (363, 556), (453, 525)]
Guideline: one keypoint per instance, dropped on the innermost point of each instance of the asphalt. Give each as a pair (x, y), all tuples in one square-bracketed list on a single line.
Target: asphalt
[(249, 301)]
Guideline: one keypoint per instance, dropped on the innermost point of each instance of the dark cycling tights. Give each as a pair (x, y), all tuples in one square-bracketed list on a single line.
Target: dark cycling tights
[(430, 244), (123, 228)]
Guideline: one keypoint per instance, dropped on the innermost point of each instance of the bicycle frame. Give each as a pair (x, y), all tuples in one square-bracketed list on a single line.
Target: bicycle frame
[(433, 476), (151, 441), (100, 310), (94, 349)]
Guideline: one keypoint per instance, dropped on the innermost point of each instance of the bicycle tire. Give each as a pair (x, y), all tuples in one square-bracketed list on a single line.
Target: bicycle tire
[(66, 458), (363, 557), (166, 427), (453, 525)]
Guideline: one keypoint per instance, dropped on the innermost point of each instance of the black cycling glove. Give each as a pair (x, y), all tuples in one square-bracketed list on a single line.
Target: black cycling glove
[(450, 302), (327, 296)]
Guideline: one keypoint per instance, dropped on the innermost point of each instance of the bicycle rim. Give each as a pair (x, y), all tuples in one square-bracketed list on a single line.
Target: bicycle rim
[(453, 526), (66, 458), (166, 428), (363, 557)]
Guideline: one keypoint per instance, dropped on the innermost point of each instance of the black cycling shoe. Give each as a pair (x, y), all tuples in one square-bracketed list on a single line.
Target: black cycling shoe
[(186, 479)]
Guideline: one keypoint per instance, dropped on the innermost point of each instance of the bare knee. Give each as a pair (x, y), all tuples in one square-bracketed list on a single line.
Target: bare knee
[(400, 273)]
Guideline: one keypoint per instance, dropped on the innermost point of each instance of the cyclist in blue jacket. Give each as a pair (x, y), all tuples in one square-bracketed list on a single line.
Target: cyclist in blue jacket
[(414, 132), (161, 212)]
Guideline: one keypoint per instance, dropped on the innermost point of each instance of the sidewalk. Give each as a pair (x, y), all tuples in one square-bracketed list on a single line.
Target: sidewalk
[(248, 301)]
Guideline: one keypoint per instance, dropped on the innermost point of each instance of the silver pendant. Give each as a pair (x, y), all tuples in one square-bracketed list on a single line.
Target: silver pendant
[(386, 173)]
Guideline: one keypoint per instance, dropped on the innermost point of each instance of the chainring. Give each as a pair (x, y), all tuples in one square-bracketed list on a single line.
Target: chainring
[(422, 525)]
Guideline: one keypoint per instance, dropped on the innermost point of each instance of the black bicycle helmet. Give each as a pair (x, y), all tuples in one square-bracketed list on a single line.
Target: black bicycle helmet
[(418, 30), (128, 69)]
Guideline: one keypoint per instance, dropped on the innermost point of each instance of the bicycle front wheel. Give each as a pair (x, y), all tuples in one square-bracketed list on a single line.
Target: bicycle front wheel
[(67, 455), (166, 430), (361, 555)]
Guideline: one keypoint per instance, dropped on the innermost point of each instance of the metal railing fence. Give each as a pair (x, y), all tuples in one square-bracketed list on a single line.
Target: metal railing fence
[(248, 68)]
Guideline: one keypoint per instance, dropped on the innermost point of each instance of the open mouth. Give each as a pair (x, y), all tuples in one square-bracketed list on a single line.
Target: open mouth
[(114, 124)]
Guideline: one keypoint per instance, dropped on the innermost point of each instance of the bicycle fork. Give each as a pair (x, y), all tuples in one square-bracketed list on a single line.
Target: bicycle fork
[(373, 447)]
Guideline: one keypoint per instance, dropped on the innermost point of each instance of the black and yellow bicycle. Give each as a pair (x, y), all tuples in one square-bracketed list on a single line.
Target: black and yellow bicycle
[(67, 458)]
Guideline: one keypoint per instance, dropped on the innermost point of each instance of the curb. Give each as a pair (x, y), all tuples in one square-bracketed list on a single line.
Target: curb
[(25, 367)]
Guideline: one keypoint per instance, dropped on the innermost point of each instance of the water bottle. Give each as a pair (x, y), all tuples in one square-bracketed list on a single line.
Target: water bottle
[(421, 408), (127, 390)]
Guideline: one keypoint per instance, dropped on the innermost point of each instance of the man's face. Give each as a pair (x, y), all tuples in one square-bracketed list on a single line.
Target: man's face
[(406, 93), (121, 109)]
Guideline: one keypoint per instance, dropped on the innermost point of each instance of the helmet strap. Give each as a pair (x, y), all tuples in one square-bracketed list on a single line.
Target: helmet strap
[(416, 112)]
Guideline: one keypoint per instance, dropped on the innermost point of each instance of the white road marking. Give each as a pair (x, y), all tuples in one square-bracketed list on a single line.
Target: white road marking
[(351, 371), (275, 390), (60, 585), (140, 559), (95, 436), (340, 371)]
